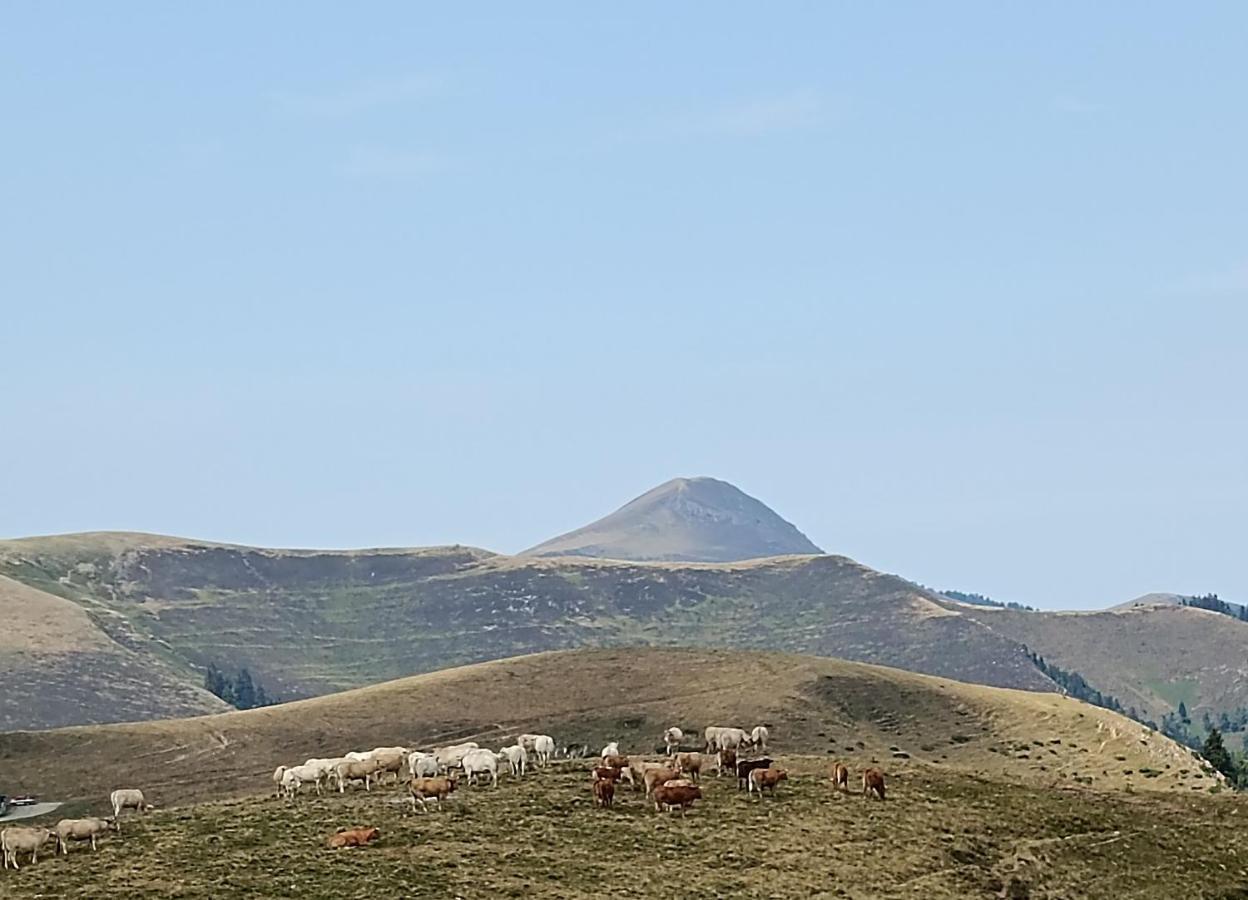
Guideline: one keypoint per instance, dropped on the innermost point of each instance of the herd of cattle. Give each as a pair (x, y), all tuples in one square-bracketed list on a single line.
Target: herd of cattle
[(26, 839), (670, 784)]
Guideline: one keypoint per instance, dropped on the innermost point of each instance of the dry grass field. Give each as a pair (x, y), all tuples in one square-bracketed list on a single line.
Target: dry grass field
[(813, 706), (992, 792), (940, 834)]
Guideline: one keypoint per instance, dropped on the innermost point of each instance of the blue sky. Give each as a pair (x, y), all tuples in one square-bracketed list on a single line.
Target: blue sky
[(960, 289)]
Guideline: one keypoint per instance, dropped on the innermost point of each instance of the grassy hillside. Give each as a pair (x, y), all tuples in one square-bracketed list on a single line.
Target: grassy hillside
[(991, 792), (309, 622), (149, 612), (1148, 657), (940, 835), (813, 705), (57, 664)]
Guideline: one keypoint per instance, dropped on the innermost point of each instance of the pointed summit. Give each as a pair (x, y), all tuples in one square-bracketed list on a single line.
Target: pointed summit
[(685, 520)]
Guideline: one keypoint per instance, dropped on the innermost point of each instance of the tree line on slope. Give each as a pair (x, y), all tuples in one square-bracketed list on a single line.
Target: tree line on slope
[(1075, 685), (1214, 603), (241, 691), (981, 600)]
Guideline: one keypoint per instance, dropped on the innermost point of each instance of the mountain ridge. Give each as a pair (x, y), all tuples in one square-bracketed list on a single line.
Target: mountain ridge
[(309, 623), (306, 622)]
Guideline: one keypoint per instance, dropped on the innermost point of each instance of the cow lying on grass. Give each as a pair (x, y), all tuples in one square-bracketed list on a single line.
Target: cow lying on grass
[(352, 837)]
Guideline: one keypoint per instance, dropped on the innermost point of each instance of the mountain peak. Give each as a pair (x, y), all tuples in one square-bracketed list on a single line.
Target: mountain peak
[(698, 519)]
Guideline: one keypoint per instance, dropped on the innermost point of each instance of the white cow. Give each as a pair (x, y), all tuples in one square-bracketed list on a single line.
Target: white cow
[(544, 747), (759, 736), (295, 777), (450, 757), (719, 738), (129, 798), (480, 762), (612, 749), (517, 757), (421, 765), (672, 738)]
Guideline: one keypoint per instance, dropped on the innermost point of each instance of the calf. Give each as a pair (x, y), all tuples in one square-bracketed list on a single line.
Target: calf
[(615, 761), (674, 795), (352, 837), (746, 766), (840, 777), (873, 782), (604, 792), (726, 759), (766, 779)]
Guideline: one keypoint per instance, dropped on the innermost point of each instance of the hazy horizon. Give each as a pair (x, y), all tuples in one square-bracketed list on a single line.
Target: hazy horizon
[(960, 292)]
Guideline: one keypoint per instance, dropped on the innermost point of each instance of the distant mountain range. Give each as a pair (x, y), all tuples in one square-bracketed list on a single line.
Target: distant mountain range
[(110, 627)]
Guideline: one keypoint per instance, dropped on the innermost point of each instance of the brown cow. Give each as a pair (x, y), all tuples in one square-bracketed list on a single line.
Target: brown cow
[(604, 792), (689, 764), (352, 837), (422, 789), (606, 773), (840, 776), (761, 779), (656, 777), (635, 772), (873, 782), (671, 796), (727, 760), (615, 761)]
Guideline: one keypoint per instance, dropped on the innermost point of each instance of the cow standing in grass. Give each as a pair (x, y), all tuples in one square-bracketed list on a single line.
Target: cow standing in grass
[(873, 783)]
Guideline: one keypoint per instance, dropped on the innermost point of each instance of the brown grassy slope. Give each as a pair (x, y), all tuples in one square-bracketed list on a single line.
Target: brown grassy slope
[(940, 835), (1147, 657), (55, 660), (813, 705)]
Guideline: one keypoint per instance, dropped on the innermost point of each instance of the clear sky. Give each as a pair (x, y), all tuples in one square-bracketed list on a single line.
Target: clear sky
[(960, 289)]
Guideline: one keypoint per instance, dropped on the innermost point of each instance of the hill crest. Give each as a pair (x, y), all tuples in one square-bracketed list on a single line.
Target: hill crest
[(812, 705)]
